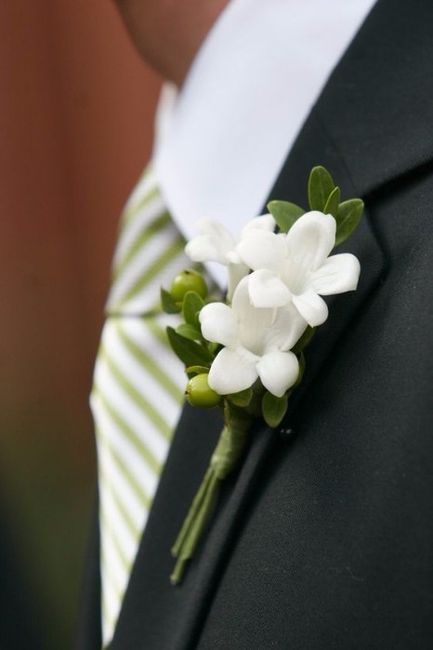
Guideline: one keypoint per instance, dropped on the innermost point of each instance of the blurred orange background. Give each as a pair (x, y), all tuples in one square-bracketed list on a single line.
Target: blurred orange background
[(76, 117)]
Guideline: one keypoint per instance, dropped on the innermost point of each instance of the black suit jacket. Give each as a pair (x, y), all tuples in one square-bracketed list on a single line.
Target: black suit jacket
[(324, 537)]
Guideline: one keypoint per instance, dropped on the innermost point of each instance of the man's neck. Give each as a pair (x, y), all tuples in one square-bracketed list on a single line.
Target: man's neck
[(168, 33)]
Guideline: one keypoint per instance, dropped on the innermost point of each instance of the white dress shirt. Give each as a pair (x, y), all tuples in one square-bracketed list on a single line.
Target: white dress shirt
[(222, 140)]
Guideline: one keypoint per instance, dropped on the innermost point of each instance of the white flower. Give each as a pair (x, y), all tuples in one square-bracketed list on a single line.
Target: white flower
[(257, 343), (296, 267), (217, 244)]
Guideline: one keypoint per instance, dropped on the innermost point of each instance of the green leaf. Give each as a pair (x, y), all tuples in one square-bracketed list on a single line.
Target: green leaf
[(331, 206), (304, 340), (190, 352), (348, 218), (188, 332), (168, 303), (273, 409), (192, 303), (301, 369), (320, 186), (285, 213), (192, 371), (213, 347), (242, 399)]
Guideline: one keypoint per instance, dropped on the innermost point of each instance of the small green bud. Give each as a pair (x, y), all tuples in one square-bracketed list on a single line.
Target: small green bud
[(188, 280), (199, 393)]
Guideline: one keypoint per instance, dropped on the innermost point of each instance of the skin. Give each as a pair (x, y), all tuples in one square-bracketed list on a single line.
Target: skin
[(168, 33)]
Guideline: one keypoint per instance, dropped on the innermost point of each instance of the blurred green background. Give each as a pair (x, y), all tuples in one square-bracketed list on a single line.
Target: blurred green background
[(76, 117)]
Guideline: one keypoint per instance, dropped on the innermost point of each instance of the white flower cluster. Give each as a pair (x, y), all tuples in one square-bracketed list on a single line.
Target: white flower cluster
[(275, 288)]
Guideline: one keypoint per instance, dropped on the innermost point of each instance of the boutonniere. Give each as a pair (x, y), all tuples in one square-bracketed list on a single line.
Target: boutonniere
[(247, 354)]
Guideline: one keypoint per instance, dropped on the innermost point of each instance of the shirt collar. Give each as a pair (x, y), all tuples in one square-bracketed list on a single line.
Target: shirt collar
[(221, 141)]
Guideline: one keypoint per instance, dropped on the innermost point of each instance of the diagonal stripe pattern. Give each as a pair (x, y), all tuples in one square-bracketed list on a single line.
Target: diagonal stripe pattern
[(138, 387)]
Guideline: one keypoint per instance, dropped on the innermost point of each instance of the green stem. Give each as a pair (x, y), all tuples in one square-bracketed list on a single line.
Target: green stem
[(192, 537), (192, 513), (227, 453)]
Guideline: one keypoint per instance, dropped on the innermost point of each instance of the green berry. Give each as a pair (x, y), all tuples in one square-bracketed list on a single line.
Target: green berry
[(199, 393), (188, 280)]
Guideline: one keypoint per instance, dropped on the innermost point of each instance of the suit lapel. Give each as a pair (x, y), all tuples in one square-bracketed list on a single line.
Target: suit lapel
[(314, 147), (377, 108), (355, 133)]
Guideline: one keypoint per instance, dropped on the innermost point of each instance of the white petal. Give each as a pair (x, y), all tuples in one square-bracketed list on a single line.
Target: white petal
[(204, 249), (216, 230), (338, 274), (232, 371), (264, 222), (311, 239), (260, 249), (311, 307), (233, 257), (278, 371), (236, 273), (218, 323), (286, 329), (253, 322), (213, 245), (267, 290)]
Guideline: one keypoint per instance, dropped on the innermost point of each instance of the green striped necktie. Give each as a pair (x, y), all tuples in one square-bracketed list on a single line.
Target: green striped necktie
[(138, 387)]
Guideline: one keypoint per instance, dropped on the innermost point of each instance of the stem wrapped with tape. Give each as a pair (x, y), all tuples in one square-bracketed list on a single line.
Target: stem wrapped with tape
[(225, 458)]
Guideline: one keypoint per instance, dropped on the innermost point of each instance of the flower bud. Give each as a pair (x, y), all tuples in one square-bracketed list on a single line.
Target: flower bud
[(199, 393), (188, 280)]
